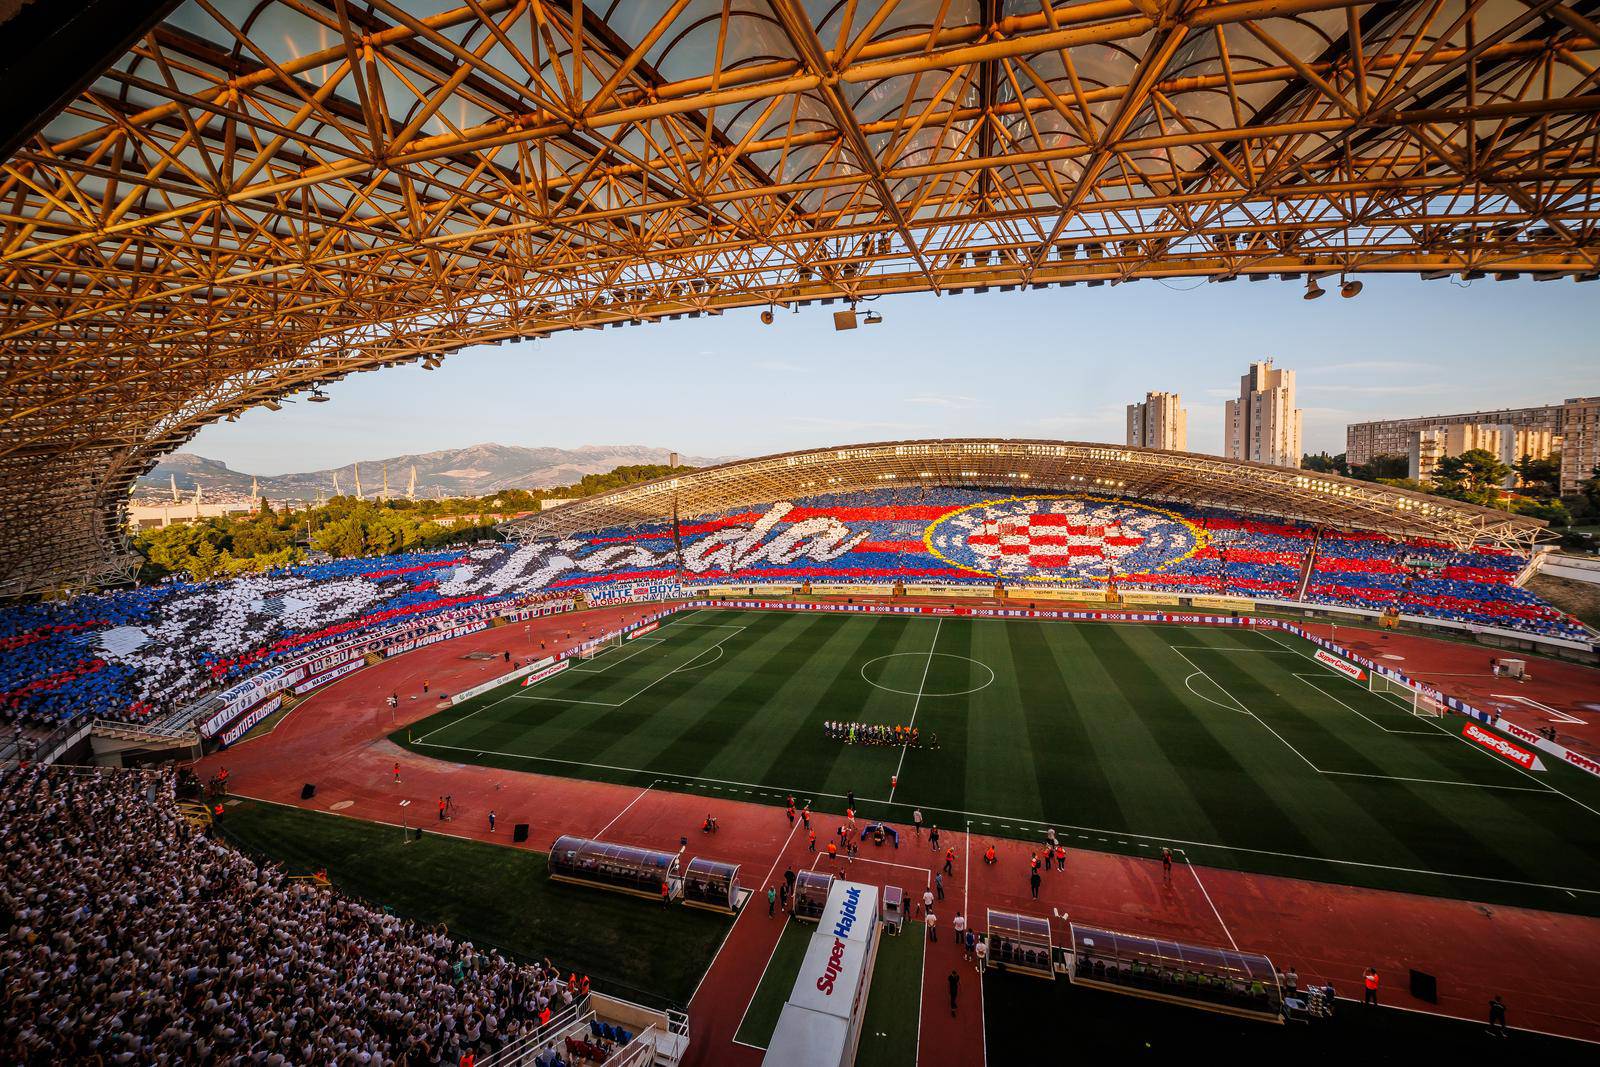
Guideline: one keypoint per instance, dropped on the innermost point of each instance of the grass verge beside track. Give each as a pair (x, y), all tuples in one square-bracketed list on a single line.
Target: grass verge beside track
[(493, 896), (777, 982), (894, 1015)]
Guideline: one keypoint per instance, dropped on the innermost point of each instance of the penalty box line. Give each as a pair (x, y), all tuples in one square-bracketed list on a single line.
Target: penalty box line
[(533, 697), (802, 795), (1542, 788), (639, 645), (1546, 786)]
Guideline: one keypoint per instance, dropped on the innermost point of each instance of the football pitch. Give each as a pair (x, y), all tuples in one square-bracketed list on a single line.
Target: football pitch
[(1232, 746)]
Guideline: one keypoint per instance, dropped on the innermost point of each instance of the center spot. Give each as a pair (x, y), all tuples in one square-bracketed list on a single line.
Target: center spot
[(937, 674)]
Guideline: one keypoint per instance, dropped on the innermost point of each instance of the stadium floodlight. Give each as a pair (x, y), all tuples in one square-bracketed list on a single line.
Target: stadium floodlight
[(272, 405), (317, 397), (1313, 290), (766, 316), (845, 320), (1349, 288), (872, 318)]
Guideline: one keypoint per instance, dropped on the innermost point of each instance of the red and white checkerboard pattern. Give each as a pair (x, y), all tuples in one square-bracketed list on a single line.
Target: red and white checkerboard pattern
[(1048, 540)]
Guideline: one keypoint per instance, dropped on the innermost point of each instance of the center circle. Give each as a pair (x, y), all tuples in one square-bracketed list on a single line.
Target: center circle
[(925, 672)]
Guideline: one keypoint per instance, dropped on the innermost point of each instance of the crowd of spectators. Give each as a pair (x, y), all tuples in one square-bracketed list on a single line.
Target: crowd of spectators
[(136, 938), (129, 654)]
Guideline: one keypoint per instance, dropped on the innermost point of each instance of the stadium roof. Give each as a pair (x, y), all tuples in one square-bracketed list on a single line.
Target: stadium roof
[(1043, 466), (225, 201)]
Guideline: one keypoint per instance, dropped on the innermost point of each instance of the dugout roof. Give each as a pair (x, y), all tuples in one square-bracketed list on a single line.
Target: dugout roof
[(1043, 467), (205, 206)]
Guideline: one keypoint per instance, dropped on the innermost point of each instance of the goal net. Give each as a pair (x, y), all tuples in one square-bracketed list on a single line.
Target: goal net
[(1417, 699), (601, 646)]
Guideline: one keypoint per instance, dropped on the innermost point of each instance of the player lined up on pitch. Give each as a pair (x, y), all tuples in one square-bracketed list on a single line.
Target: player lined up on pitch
[(873, 733)]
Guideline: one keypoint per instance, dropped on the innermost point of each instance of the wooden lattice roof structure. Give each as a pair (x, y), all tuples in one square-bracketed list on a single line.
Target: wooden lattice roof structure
[(246, 198), (1140, 474)]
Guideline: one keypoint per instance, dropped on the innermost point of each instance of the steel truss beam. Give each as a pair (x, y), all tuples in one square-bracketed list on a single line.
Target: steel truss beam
[(265, 195)]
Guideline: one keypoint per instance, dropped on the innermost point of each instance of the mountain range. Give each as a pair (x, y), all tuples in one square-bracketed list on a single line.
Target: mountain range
[(474, 471)]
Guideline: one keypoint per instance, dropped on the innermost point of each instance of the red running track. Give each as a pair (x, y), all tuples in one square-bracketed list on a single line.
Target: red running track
[(1543, 963)]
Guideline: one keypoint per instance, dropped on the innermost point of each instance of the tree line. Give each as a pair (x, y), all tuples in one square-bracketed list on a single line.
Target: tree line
[(269, 538)]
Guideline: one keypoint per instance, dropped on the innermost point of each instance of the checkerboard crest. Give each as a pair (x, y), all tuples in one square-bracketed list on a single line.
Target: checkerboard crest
[(1062, 538)]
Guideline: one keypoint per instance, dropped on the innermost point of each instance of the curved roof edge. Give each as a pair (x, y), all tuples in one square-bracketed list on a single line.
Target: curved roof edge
[(1055, 466)]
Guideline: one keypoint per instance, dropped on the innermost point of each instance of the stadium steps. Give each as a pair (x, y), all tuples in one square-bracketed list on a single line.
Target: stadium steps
[(111, 738), (1307, 566), (372, 659)]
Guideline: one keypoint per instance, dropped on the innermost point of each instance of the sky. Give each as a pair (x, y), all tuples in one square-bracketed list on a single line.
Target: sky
[(1058, 363)]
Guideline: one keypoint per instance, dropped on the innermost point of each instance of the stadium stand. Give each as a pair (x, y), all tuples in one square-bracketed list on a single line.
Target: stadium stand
[(125, 655), (134, 938)]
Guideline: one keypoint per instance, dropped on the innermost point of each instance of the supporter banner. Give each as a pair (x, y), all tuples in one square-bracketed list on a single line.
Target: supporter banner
[(1349, 670), (242, 697), (642, 630), (323, 679), (951, 590), (548, 672), (242, 727), (435, 638), (624, 592), (1501, 747), (322, 663)]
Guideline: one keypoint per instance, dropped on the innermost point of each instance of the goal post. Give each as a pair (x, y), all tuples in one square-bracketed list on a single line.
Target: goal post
[(599, 647), (1417, 699)]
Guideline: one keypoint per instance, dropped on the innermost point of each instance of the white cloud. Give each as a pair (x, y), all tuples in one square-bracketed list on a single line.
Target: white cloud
[(943, 401)]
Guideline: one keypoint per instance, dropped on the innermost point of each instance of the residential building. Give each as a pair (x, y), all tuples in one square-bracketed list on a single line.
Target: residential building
[(1571, 427), (1159, 422), (1263, 425), (1506, 442)]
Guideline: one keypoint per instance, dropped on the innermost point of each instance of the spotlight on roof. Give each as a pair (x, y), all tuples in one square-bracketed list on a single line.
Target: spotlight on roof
[(872, 318), (272, 405), (317, 397), (766, 317), (1313, 290), (1350, 288), (845, 320)]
